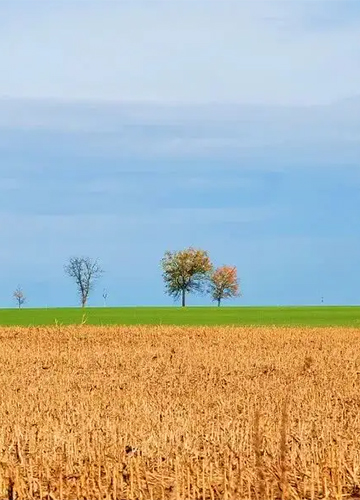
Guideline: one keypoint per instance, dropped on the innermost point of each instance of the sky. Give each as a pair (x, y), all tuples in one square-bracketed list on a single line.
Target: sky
[(132, 128)]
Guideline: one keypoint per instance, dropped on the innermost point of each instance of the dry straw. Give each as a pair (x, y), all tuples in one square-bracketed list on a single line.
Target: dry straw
[(179, 413)]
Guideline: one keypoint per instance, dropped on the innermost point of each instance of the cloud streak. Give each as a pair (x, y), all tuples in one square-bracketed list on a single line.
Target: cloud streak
[(229, 51), (118, 132)]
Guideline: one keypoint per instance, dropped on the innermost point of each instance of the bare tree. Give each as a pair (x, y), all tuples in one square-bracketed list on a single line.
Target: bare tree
[(19, 296), (85, 272)]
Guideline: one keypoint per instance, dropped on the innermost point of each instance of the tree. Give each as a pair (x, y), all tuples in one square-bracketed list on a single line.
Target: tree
[(19, 296), (185, 271), (85, 272), (224, 284), (105, 296)]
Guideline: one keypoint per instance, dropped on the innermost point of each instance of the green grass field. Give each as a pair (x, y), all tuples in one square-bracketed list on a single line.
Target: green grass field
[(305, 316)]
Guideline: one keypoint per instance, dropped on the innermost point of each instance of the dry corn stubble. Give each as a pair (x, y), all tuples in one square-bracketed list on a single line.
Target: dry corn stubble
[(252, 413)]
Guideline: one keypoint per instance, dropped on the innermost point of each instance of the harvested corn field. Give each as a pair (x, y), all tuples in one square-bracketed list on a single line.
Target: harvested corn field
[(180, 413)]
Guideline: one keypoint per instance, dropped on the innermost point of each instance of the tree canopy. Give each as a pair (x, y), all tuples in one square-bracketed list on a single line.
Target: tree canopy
[(224, 283), (186, 271)]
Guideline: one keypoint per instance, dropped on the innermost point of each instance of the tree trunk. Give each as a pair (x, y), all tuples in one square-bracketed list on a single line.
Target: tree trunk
[(183, 298), (219, 302), (83, 301)]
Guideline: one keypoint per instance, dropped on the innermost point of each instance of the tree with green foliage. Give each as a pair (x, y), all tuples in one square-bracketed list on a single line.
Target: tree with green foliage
[(185, 271)]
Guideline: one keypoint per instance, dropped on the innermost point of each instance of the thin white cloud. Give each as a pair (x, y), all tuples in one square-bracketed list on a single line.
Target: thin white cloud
[(112, 133), (243, 51), (30, 226)]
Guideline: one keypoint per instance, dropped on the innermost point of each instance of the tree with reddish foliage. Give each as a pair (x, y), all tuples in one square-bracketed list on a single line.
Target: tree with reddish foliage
[(186, 271), (224, 284)]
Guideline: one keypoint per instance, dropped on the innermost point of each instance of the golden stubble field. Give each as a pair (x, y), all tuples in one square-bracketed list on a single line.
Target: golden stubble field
[(230, 413)]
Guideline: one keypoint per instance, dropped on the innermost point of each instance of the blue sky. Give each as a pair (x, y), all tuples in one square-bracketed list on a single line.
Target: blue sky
[(130, 128)]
